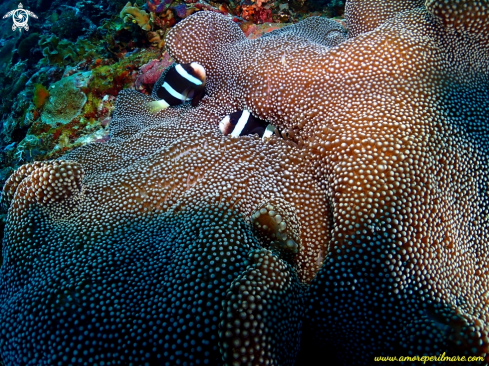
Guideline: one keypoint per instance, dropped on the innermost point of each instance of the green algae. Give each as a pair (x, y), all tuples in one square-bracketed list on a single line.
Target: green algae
[(63, 52)]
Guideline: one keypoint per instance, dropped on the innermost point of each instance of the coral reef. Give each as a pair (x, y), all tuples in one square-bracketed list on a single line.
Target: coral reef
[(254, 31), (40, 95), (63, 52), (71, 24), (110, 79), (157, 6), (28, 137), (159, 16), (26, 45), (334, 7), (256, 14), (22, 71), (135, 15), (150, 73), (120, 40), (66, 99)]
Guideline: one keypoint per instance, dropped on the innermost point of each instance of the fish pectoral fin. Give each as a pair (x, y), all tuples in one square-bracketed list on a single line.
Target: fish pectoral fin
[(185, 95), (188, 94), (157, 105), (199, 94)]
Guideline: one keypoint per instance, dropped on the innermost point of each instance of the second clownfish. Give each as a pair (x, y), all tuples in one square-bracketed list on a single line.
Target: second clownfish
[(180, 83), (243, 123)]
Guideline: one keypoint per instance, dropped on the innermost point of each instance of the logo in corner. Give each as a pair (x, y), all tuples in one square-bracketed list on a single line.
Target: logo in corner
[(20, 17)]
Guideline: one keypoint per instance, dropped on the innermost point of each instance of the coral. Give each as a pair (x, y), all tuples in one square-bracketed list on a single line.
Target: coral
[(381, 181), (28, 149), (157, 39), (256, 14), (27, 44), (163, 20), (260, 3), (121, 41), (204, 6), (110, 80), (69, 24), (18, 111), (49, 47), (40, 95), (64, 52), (157, 6), (85, 49), (334, 7), (263, 15), (13, 83), (150, 73), (248, 12), (253, 31), (7, 51), (96, 10), (180, 10), (87, 120), (66, 99), (135, 15)]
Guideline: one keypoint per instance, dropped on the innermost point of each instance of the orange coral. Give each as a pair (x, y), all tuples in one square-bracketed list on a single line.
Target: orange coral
[(256, 14), (97, 63), (247, 12), (164, 20), (157, 39), (41, 94)]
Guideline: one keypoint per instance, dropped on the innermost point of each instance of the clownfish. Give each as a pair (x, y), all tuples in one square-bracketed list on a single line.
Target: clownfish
[(178, 84), (243, 123)]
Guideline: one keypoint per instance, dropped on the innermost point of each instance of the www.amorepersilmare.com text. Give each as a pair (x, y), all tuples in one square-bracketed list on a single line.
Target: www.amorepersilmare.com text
[(424, 359)]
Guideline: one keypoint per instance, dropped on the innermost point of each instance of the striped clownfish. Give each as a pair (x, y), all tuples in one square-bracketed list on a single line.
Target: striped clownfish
[(178, 84), (243, 123)]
